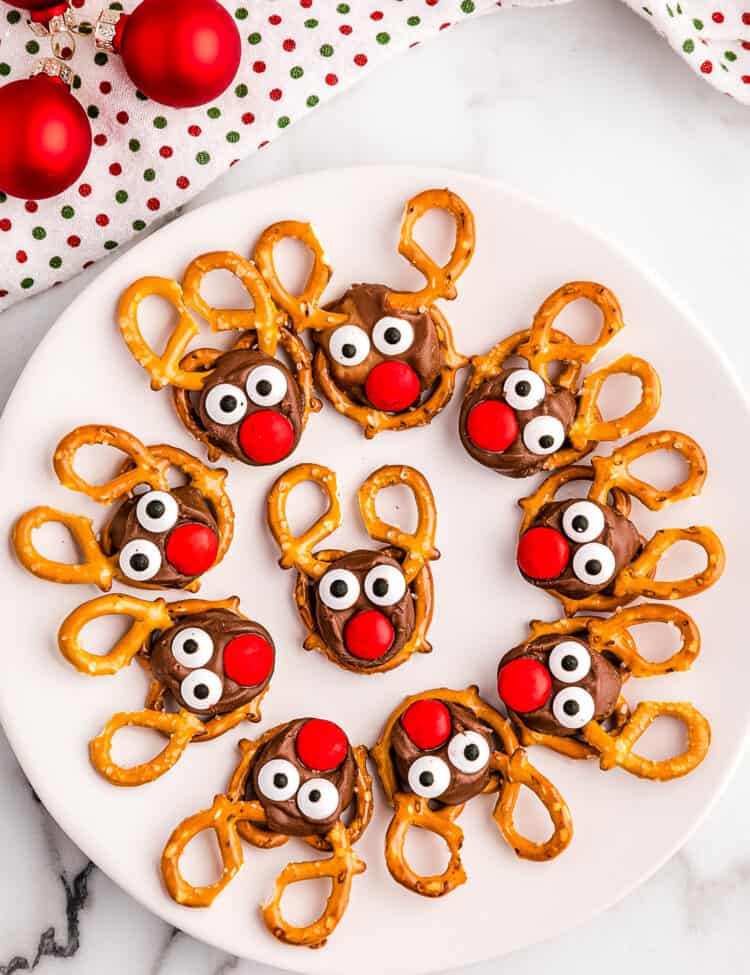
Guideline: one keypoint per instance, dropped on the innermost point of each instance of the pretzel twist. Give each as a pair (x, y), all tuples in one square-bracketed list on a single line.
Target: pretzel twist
[(637, 579), (409, 811), (96, 568), (296, 551)]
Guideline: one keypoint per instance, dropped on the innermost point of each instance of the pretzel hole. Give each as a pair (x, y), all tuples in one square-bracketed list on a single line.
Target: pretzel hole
[(426, 852), (134, 745), (619, 394), (581, 320), (305, 505), (294, 262), (662, 469), (56, 540), (664, 738), (157, 319), (303, 903), (530, 817), (100, 635), (655, 641), (681, 560), (200, 863), (223, 289), (435, 232), (395, 506), (99, 463)]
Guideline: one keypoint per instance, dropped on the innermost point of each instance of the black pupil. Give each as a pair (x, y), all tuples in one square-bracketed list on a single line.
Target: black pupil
[(380, 587), (190, 645), (264, 387), (155, 509), (593, 567), (569, 662), (348, 350), (471, 752), (392, 335), (201, 691), (426, 779), (546, 441), (139, 562), (228, 403), (339, 588), (523, 388), (571, 708), (280, 780), (314, 795), (580, 523)]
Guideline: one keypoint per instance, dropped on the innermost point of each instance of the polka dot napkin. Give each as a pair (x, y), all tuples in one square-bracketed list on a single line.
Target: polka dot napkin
[(147, 159)]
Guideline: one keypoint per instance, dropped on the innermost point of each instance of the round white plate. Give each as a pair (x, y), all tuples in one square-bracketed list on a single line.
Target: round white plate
[(624, 828)]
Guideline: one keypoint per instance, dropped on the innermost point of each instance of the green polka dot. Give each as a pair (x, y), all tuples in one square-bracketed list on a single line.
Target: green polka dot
[(141, 96), (730, 55), (160, 122), (32, 47), (121, 196), (134, 145), (100, 58), (202, 158), (698, 24), (241, 13), (4, 69), (3, 197), (55, 262), (233, 136), (312, 101), (115, 6), (67, 212), (254, 38), (468, 6), (326, 50), (139, 225), (382, 37), (38, 233), (109, 245), (27, 283), (311, 24), (85, 28), (283, 121), (413, 21), (92, 111), (13, 17), (241, 91), (296, 72), (343, 8), (149, 175), (688, 47), (76, 82), (214, 113)]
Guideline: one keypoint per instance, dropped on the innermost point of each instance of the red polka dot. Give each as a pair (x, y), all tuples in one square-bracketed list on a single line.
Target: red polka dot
[(431, 3), (332, 79), (3, 293), (746, 45), (166, 152), (123, 118), (77, 3), (446, 24), (105, 87), (360, 59), (289, 44), (746, 79), (263, 144), (345, 29), (31, 206), (717, 17), (376, 15), (21, 257), (183, 182), (115, 169), (74, 241), (746, 18), (5, 224), (248, 118), (102, 219), (306, 4), (84, 189), (707, 67), (153, 203), (194, 130), (274, 20), (259, 67), (275, 94), (100, 140)]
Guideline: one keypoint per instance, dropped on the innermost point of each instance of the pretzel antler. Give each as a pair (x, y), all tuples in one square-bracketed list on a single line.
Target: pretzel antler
[(419, 546), (297, 551), (613, 636), (96, 567), (410, 810), (637, 579)]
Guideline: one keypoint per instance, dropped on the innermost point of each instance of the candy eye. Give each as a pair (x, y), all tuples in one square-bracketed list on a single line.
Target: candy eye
[(156, 511), (226, 404), (349, 345), (278, 780), (583, 521), (429, 776), (524, 389), (594, 564), (385, 585), (543, 435), (192, 647), (140, 560), (569, 662), (392, 336), (573, 707), (469, 752), (339, 589), (201, 689), (318, 799), (266, 386)]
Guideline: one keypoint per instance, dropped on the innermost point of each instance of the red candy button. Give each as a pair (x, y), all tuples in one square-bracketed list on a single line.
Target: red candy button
[(266, 437), (427, 723), (392, 386), (542, 553), (321, 745), (523, 684), (248, 659), (192, 549), (368, 635), (492, 425)]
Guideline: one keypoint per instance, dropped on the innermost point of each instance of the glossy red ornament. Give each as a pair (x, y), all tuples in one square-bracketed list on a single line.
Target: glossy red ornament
[(192, 549), (492, 425), (427, 723), (321, 745), (180, 54), (45, 137), (368, 635), (392, 386), (524, 684), (266, 437), (542, 553), (248, 660)]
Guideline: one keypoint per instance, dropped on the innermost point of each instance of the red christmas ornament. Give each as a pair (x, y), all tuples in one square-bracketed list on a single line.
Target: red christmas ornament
[(192, 548), (44, 132), (368, 635), (392, 386), (248, 660), (321, 745), (524, 684), (427, 723), (180, 54), (492, 425)]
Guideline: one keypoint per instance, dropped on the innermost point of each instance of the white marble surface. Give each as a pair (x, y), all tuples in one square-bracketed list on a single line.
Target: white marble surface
[(584, 107)]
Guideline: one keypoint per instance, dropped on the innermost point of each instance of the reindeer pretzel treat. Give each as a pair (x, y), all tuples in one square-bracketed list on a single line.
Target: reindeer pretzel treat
[(297, 779), (563, 689), (385, 359), (205, 657), (367, 611), (589, 554), (158, 538), (245, 403), (520, 421), (441, 748)]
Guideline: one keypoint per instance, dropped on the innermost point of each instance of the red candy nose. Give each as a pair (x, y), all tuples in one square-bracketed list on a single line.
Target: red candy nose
[(524, 684), (368, 635), (542, 553), (321, 745), (427, 723), (392, 386), (192, 549), (492, 425), (266, 437), (248, 659)]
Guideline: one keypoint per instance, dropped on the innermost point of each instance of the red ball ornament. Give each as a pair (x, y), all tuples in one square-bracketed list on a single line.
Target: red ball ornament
[(524, 684), (192, 548), (542, 553), (248, 660), (492, 425), (427, 723), (392, 386), (368, 635), (180, 54), (45, 135), (266, 437), (321, 745)]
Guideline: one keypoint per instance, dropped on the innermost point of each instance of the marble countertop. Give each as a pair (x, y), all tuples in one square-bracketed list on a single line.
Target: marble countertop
[(586, 108)]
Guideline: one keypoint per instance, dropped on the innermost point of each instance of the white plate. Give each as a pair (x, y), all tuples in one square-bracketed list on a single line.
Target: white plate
[(625, 828)]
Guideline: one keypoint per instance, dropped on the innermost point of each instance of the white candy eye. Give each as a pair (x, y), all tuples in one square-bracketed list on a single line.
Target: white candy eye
[(573, 707), (392, 336), (201, 689), (339, 589), (543, 435), (226, 404), (140, 560), (429, 776), (192, 647), (469, 752), (569, 662), (278, 780), (594, 564), (583, 521), (524, 389), (349, 345), (385, 585), (318, 799), (156, 511), (266, 386)]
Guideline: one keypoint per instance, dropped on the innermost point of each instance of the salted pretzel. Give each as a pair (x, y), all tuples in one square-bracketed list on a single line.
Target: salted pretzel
[(204, 656), (438, 750), (520, 421), (563, 689), (589, 554), (158, 538), (384, 358), (368, 611), (245, 403), (297, 779)]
